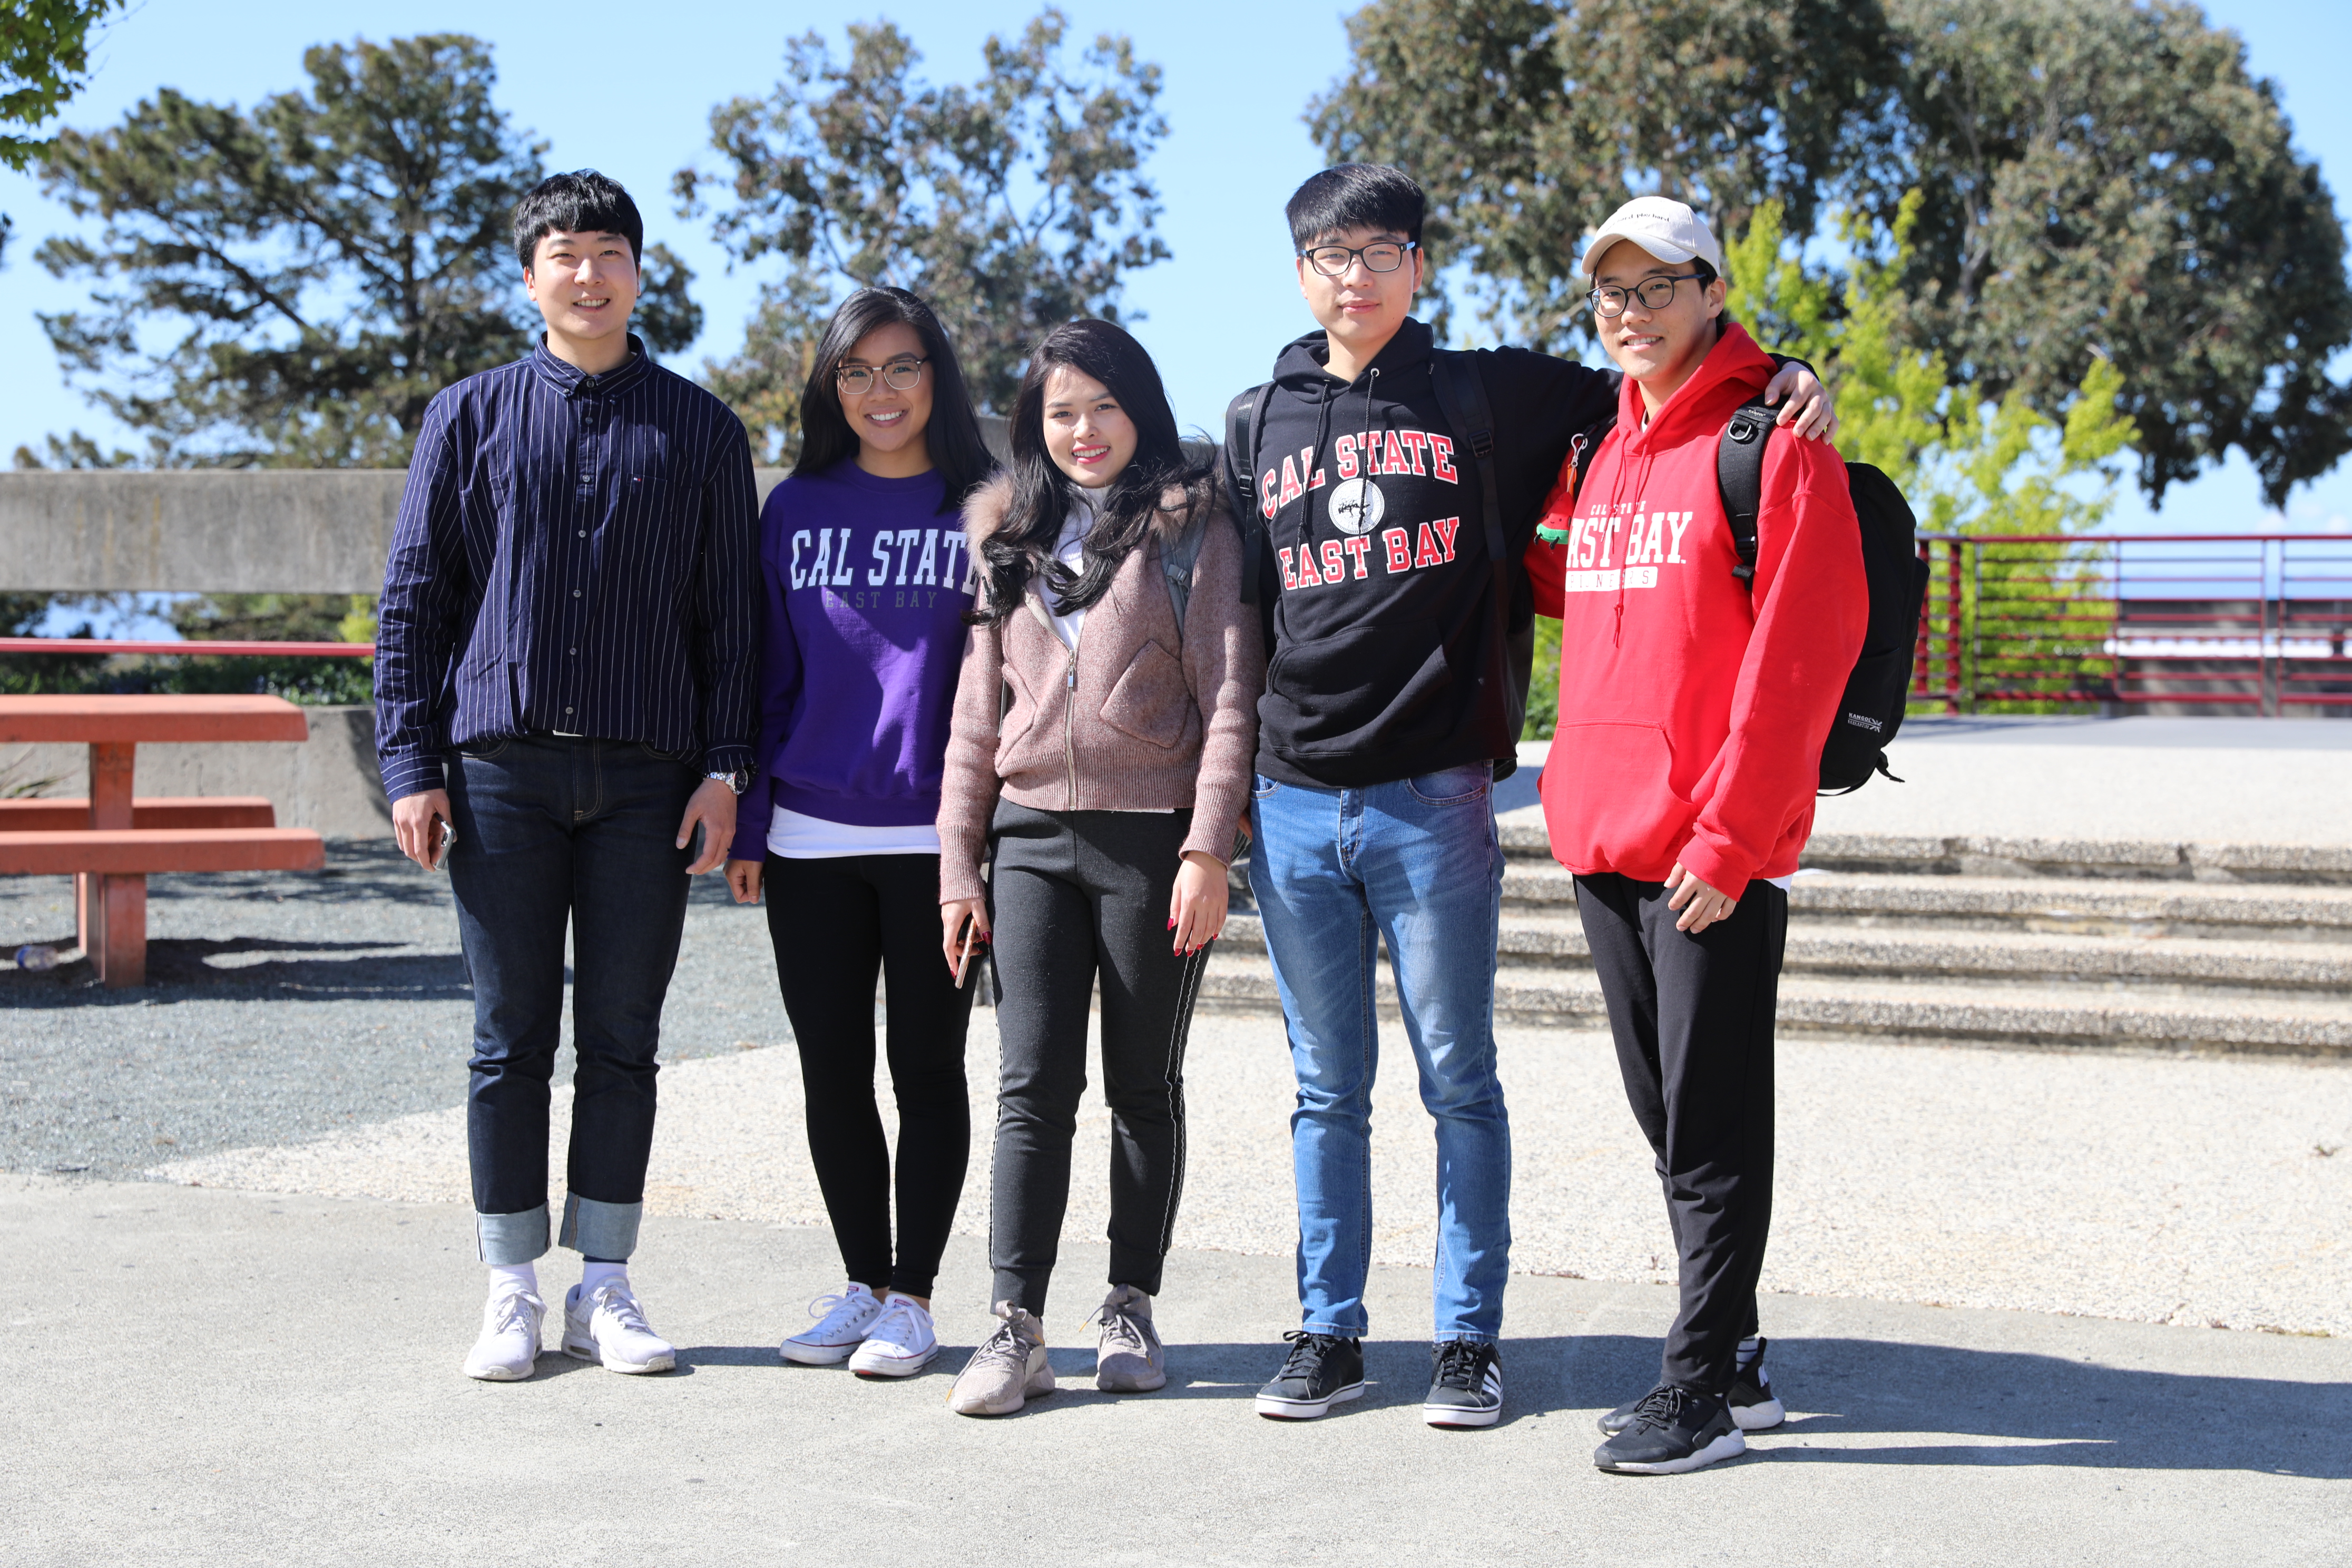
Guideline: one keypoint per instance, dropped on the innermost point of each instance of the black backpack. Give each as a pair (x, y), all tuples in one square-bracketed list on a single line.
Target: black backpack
[(1871, 711)]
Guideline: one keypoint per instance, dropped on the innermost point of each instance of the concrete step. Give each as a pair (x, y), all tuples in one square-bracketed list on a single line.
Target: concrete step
[(2078, 906), (1936, 956), (2009, 1014), (2188, 966), (1523, 838)]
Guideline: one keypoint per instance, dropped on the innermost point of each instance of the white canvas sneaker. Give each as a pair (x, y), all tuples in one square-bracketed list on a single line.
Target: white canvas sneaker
[(509, 1346), (610, 1327), (899, 1345), (841, 1326)]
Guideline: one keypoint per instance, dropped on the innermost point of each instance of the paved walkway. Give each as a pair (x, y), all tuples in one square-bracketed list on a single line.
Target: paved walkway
[(224, 1377)]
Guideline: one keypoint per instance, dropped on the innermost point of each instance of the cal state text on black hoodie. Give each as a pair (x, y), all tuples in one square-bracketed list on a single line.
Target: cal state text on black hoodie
[(1386, 662)]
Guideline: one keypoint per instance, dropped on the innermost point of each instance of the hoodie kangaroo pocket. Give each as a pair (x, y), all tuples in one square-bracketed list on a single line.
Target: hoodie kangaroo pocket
[(1151, 699), (1609, 798), (1386, 685)]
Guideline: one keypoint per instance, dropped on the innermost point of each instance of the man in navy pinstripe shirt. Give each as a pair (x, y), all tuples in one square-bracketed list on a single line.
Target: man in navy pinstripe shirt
[(566, 696)]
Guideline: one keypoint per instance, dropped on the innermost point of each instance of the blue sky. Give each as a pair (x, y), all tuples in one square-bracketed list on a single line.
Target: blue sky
[(1238, 77)]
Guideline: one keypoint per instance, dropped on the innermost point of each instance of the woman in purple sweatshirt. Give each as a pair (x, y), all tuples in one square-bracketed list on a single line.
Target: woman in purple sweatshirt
[(862, 554)]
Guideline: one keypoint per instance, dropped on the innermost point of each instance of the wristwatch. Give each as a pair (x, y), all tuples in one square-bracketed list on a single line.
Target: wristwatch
[(739, 781)]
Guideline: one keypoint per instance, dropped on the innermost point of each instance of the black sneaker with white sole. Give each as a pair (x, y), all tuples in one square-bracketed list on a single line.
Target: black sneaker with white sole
[(1673, 1430), (1754, 1407), (1321, 1371), (1465, 1384)]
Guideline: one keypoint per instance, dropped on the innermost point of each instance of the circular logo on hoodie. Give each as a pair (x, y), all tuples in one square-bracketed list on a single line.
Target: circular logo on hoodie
[(1357, 506)]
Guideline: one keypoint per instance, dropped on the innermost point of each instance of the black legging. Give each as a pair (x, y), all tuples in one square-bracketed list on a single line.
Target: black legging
[(834, 924)]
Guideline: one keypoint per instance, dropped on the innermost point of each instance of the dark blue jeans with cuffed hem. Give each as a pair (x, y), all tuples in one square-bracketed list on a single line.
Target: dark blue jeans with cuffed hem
[(558, 834)]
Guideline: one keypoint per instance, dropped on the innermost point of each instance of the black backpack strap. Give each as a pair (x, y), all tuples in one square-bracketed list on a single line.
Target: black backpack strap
[(1739, 474), (1244, 424), (1461, 398)]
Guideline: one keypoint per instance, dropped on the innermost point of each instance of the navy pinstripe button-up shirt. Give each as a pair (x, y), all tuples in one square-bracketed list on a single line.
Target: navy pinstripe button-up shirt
[(576, 554)]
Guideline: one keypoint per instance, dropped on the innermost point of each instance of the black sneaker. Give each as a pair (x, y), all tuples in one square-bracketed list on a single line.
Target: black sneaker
[(1321, 1371), (1673, 1430), (1465, 1384), (1754, 1407)]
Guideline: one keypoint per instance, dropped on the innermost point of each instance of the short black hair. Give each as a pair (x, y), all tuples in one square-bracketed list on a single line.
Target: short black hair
[(1356, 196), (1704, 273), (581, 202)]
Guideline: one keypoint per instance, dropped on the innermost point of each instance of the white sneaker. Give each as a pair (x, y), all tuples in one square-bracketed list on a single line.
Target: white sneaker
[(610, 1327), (509, 1347), (899, 1345), (841, 1327)]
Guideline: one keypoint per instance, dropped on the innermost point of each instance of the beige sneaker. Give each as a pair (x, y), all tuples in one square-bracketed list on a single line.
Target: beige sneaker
[(1128, 1358), (1007, 1370)]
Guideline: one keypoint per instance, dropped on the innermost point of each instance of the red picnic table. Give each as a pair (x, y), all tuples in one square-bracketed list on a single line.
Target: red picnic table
[(111, 840)]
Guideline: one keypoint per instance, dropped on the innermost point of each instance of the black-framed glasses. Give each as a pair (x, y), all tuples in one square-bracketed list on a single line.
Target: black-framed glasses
[(1380, 256), (1656, 294), (898, 375)]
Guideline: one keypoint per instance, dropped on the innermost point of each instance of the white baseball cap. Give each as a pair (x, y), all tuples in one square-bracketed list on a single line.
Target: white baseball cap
[(1664, 227)]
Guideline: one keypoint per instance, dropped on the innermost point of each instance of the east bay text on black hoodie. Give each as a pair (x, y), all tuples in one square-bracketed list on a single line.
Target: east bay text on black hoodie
[(1384, 658)]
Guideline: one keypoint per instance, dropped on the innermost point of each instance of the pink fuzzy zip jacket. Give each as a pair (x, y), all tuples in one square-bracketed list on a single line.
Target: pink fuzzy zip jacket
[(1141, 716)]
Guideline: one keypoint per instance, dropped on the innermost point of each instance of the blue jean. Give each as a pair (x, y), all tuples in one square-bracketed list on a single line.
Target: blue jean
[(1415, 862), (556, 833)]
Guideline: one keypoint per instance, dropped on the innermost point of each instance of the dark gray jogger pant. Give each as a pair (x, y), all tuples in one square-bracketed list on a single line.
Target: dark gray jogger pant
[(1693, 1020), (1074, 894)]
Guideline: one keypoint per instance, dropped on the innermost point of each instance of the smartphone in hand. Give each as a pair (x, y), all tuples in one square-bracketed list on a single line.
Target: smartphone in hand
[(449, 835), (964, 951)]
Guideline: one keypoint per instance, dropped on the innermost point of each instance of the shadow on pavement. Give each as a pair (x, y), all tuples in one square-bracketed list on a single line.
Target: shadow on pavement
[(1992, 1408), (178, 971), (2031, 1409)]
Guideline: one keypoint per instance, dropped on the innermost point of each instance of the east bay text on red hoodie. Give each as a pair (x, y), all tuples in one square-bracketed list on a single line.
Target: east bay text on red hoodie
[(1692, 710)]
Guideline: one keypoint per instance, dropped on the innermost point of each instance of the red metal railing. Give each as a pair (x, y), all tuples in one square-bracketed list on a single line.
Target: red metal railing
[(2211, 623), (110, 645)]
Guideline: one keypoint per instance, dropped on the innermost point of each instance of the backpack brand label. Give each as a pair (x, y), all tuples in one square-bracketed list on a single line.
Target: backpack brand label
[(1864, 721)]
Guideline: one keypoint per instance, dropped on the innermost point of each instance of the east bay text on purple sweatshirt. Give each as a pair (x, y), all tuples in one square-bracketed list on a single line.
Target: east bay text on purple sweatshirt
[(864, 581)]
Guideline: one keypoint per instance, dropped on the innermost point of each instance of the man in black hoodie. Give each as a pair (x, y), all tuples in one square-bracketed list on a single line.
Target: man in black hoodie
[(1400, 640)]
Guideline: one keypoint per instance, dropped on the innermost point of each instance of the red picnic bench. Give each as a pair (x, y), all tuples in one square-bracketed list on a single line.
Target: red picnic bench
[(111, 841)]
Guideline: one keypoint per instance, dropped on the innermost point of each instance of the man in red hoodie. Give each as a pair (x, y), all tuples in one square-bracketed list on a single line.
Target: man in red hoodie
[(1694, 700)]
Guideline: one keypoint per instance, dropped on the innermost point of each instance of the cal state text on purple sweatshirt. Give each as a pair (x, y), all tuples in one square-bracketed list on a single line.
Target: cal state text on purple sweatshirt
[(864, 581)]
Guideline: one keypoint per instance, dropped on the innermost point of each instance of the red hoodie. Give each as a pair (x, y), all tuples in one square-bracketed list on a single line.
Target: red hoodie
[(1692, 710)]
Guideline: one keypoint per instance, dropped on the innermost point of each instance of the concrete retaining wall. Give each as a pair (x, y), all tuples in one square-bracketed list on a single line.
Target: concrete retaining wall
[(242, 530), (328, 783)]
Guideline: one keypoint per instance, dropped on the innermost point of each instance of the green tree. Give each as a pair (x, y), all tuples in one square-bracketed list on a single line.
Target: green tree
[(2103, 179), (1530, 121), (1969, 463), (1012, 205), (2099, 180), (43, 61), (290, 287)]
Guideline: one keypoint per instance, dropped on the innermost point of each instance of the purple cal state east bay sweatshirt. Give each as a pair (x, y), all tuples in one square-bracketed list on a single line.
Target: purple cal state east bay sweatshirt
[(864, 580)]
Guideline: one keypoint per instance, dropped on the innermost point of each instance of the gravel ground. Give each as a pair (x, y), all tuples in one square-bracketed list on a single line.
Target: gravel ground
[(2180, 1190), (2163, 1189), (367, 1013)]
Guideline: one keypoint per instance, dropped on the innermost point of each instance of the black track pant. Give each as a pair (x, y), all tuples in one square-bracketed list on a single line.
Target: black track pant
[(1076, 893), (834, 924), (1693, 1019)]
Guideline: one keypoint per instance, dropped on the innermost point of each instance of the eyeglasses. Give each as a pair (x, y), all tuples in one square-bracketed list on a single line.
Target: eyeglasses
[(1656, 294), (898, 375), (1380, 256)]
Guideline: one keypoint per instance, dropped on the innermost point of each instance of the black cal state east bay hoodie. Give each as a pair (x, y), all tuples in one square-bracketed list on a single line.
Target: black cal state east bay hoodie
[(1384, 658)]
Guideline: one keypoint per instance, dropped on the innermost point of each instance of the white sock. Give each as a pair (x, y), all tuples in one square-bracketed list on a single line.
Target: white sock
[(594, 1273), (505, 1277)]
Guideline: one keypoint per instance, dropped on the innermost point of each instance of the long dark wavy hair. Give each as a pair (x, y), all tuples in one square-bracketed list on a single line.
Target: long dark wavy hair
[(952, 437), (1024, 546)]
